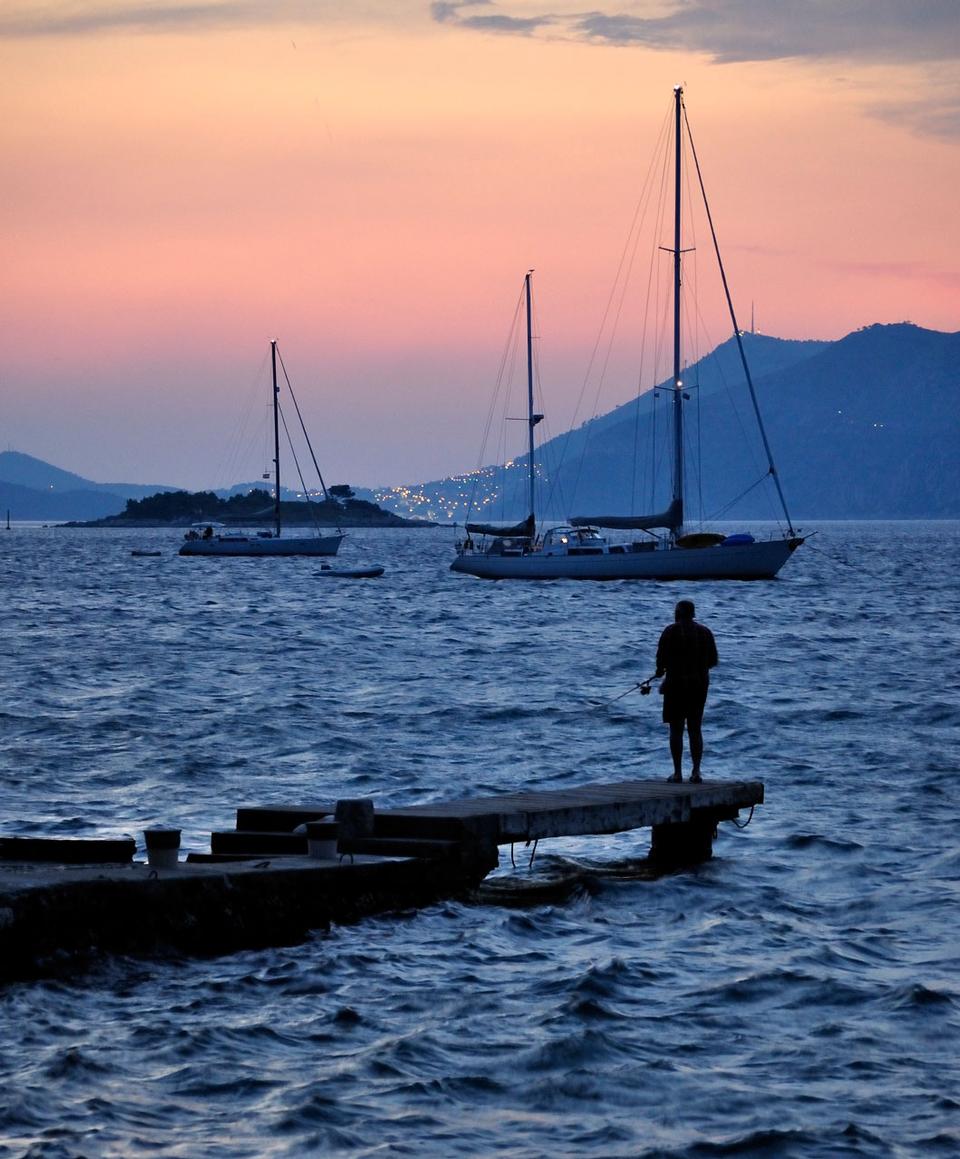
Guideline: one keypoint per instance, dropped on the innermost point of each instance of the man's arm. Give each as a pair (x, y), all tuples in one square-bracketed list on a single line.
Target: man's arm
[(662, 654)]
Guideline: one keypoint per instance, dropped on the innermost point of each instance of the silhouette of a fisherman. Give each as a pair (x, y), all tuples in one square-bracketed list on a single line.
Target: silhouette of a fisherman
[(686, 653)]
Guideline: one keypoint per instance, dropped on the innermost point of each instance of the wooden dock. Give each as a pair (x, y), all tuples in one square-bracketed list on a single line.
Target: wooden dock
[(287, 870)]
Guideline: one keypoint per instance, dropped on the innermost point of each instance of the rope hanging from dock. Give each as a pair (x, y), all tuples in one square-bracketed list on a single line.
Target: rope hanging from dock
[(533, 852), (744, 824)]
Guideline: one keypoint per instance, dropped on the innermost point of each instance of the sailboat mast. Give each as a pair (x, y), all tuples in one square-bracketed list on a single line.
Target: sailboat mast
[(276, 438), (677, 380), (532, 419)]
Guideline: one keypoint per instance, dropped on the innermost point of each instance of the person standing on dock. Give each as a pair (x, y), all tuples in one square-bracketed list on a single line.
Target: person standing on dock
[(686, 653)]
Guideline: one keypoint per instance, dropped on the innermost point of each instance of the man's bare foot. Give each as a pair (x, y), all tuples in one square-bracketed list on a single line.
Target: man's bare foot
[(696, 779), (675, 777)]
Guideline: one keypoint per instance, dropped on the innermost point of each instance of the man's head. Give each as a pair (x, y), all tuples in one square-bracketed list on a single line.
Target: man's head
[(684, 611)]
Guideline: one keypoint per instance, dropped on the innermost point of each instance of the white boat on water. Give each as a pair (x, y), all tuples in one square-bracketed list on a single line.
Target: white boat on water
[(262, 543), (569, 552), (218, 541), (581, 549)]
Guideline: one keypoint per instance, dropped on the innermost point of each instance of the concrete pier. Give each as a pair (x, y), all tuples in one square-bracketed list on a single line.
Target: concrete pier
[(678, 814), (683, 816), (258, 886), (54, 919)]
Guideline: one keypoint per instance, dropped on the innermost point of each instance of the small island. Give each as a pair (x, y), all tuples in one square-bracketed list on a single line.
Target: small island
[(254, 508)]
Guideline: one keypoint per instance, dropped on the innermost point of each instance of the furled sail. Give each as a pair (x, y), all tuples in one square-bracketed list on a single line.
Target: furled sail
[(672, 519), (525, 529)]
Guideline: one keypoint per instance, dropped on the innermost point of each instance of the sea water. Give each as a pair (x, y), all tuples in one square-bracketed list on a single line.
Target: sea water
[(799, 995)]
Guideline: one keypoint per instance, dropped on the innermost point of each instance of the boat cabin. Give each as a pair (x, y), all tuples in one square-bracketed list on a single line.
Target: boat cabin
[(510, 545), (573, 541)]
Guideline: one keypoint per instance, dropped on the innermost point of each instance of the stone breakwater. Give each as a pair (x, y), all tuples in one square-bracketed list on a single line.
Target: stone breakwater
[(54, 917)]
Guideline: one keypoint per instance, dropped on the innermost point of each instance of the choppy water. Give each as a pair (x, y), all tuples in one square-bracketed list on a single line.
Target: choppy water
[(797, 996)]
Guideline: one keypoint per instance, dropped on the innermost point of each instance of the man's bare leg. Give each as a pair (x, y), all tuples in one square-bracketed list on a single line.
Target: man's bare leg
[(696, 748), (676, 749)]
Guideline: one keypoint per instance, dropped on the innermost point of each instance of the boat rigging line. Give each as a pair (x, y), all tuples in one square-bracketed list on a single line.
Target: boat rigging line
[(507, 363), (772, 470), (617, 296), (296, 461), (303, 428)]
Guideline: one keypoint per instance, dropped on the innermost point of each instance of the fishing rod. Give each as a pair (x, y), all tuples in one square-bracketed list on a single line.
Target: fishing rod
[(644, 687)]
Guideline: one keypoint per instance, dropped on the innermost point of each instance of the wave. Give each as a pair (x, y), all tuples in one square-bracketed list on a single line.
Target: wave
[(582, 1006)]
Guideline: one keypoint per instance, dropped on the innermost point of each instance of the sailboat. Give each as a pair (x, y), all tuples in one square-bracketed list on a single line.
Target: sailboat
[(264, 543), (580, 549)]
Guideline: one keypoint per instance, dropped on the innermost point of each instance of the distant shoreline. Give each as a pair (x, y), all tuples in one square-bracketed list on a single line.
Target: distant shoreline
[(117, 522)]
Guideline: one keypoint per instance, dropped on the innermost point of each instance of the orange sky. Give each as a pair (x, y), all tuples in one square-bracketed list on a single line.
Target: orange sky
[(371, 190)]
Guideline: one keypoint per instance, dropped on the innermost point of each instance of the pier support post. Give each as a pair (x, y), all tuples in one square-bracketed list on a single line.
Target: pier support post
[(683, 843)]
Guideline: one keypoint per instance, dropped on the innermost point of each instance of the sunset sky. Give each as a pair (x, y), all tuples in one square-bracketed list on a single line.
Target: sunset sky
[(367, 182)]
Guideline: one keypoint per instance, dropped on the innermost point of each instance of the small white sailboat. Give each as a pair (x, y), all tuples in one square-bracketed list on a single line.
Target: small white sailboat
[(227, 542), (579, 549)]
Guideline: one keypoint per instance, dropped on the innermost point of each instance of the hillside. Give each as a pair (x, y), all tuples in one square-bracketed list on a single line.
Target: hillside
[(33, 489), (871, 427), (867, 427)]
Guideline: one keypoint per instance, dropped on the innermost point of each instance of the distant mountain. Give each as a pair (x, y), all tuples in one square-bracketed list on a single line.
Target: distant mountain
[(870, 427), (33, 489), (867, 427), (27, 471), (27, 503)]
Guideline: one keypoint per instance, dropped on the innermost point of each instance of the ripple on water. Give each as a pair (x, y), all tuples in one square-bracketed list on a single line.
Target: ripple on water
[(796, 997)]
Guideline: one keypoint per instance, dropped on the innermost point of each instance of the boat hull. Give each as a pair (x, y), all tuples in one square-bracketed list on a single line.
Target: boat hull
[(254, 545), (742, 561), (350, 572)]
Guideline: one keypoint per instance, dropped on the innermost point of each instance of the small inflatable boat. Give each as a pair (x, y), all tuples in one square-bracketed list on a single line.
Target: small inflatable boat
[(349, 572)]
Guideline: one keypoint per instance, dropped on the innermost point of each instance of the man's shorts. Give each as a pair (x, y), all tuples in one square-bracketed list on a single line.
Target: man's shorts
[(684, 700)]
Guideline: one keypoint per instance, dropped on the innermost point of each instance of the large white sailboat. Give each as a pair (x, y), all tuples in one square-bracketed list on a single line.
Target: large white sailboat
[(227, 542), (581, 549)]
